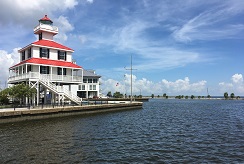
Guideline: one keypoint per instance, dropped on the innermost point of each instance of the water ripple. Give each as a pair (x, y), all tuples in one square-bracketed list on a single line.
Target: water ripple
[(164, 131)]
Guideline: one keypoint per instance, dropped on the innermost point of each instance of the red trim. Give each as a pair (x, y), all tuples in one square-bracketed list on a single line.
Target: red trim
[(45, 18), (49, 43), (41, 61)]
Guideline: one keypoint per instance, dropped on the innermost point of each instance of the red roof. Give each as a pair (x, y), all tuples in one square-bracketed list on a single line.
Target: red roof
[(45, 18), (49, 43), (41, 61)]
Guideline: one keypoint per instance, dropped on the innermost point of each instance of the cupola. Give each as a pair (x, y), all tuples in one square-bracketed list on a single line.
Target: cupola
[(45, 29), (46, 20)]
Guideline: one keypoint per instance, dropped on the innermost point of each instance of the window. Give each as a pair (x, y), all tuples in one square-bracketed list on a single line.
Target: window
[(29, 53), (40, 36), (61, 71), (44, 69), (89, 80), (23, 55), (94, 80), (90, 87), (44, 52), (94, 87), (61, 55), (29, 68), (84, 80), (83, 87)]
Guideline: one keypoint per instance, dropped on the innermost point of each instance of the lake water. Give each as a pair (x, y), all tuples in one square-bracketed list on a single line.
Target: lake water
[(164, 131)]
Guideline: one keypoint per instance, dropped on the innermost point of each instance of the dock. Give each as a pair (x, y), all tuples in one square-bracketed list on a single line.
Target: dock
[(22, 114)]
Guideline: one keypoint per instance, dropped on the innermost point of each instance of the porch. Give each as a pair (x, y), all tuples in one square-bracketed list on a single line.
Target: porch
[(34, 76)]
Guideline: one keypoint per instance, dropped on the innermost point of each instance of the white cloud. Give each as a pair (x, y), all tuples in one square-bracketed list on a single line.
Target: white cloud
[(64, 28), (237, 78), (236, 86), (7, 60), (89, 1), (17, 11), (147, 87), (184, 86), (205, 26)]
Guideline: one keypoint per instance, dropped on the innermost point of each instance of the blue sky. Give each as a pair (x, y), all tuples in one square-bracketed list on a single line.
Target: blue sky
[(178, 47)]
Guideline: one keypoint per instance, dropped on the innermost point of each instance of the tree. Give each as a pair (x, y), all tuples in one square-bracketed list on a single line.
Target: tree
[(208, 96), (199, 97), (164, 95), (118, 95), (20, 91), (232, 95), (186, 97), (192, 96), (4, 97), (238, 97), (226, 95), (109, 94), (152, 95), (158, 96)]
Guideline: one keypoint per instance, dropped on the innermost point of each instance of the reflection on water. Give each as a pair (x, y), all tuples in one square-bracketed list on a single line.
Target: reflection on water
[(182, 131)]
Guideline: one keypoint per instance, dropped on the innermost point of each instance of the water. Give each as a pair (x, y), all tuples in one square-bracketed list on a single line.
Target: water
[(164, 131)]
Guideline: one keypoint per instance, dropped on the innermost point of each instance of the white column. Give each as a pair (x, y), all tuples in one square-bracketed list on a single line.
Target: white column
[(51, 74), (37, 93), (72, 73)]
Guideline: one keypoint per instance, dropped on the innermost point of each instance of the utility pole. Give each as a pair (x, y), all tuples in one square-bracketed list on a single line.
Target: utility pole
[(131, 91)]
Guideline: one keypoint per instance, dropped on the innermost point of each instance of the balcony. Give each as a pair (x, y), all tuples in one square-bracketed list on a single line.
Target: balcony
[(45, 27), (34, 76)]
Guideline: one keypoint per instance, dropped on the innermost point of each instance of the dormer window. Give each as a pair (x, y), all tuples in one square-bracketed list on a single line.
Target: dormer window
[(61, 55), (44, 53), (23, 55)]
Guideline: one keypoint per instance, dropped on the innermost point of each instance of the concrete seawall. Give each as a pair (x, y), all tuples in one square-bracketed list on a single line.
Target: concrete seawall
[(31, 114)]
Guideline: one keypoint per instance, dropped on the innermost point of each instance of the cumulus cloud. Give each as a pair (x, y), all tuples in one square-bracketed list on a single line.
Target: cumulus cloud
[(64, 27), (7, 60), (17, 11), (146, 87), (235, 86), (237, 78)]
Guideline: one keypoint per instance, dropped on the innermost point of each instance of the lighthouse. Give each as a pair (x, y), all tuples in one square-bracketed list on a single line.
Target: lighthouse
[(48, 66)]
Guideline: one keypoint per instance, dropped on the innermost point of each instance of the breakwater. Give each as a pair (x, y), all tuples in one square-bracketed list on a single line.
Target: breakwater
[(12, 115)]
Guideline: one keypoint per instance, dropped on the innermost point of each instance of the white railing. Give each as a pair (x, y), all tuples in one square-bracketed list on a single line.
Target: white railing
[(50, 77), (46, 27), (60, 90)]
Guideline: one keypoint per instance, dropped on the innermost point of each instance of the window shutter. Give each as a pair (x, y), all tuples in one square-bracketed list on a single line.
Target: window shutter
[(48, 53), (47, 69), (40, 52), (65, 56), (58, 54)]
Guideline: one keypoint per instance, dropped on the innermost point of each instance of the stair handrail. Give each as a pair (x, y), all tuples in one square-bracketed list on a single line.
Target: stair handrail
[(56, 89)]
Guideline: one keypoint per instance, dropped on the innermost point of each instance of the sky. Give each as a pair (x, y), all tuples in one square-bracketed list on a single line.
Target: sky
[(177, 47)]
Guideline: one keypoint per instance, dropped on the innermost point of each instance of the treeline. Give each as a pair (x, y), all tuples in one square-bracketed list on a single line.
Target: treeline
[(232, 96)]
